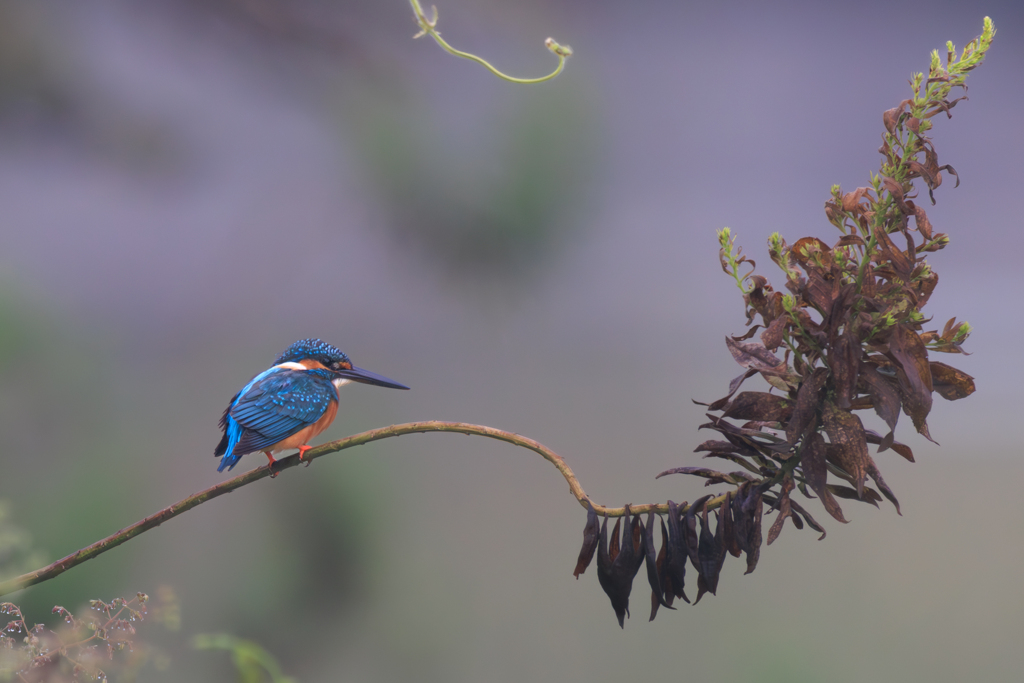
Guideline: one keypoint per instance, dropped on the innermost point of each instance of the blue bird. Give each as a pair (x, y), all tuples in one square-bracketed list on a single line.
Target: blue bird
[(288, 405)]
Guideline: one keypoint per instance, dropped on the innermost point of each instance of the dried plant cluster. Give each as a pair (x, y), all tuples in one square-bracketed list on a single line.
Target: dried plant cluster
[(82, 648), (849, 329)]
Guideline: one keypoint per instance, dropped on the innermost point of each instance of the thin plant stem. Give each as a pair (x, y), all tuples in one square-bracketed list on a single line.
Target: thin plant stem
[(156, 519)]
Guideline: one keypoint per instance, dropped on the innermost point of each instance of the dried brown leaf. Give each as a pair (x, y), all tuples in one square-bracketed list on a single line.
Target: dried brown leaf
[(870, 495), (885, 396), (713, 476), (733, 386), (812, 463), (915, 377), (784, 510), (746, 335), (590, 536), (711, 553), (950, 383), (772, 336), (690, 530), (811, 522), (844, 361), (806, 407), (872, 470), (924, 226), (676, 554), (715, 447), (729, 531), (886, 442), (759, 405), (850, 447), (902, 265), (618, 564), (809, 251), (754, 356), (849, 240), (892, 117), (653, 575), (852, 200), (746, 522), (930, 171), (750, 439), (818, 292), (924, 286)]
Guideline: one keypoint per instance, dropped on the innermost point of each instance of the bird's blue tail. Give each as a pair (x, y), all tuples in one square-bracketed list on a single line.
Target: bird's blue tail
[(234, 434)]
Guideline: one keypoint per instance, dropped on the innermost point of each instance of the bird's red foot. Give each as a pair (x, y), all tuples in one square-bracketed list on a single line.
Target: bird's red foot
[(270, 463), (302, 452)]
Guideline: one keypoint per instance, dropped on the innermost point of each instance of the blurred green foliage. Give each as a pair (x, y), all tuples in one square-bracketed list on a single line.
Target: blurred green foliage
[(17, 555), (31, 76), (253, 663), (494, 214)]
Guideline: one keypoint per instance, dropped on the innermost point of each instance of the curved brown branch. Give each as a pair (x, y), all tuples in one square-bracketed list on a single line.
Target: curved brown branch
[(60, 566)]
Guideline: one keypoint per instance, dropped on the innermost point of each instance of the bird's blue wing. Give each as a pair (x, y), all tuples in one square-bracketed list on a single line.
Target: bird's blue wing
[(271, 408)]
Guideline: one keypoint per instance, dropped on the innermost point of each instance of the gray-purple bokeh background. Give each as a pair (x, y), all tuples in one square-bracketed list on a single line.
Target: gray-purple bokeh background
[(188, 187)]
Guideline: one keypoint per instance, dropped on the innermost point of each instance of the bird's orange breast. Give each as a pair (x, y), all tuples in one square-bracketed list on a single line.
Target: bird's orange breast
[(307, 434)]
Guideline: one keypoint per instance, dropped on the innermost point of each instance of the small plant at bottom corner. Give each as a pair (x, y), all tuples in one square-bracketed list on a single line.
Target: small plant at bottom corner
[(82, 648)]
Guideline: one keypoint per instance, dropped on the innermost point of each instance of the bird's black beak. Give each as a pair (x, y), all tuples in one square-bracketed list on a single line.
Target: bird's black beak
[(366, 377)]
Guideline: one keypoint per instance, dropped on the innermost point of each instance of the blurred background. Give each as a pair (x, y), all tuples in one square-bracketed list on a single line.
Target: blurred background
[(187, 187)]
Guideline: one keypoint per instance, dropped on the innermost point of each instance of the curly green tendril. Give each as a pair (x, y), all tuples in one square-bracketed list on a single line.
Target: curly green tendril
[(428, 27)]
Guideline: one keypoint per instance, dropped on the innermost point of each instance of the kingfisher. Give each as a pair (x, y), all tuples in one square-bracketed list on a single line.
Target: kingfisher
[(288, 405)]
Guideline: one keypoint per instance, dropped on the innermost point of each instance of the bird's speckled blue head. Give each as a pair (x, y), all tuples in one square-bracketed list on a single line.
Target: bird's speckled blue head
[(314, 349)]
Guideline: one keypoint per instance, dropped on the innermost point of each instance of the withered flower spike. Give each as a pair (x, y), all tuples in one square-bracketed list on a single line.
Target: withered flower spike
[(862, 349), (590, 534)]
